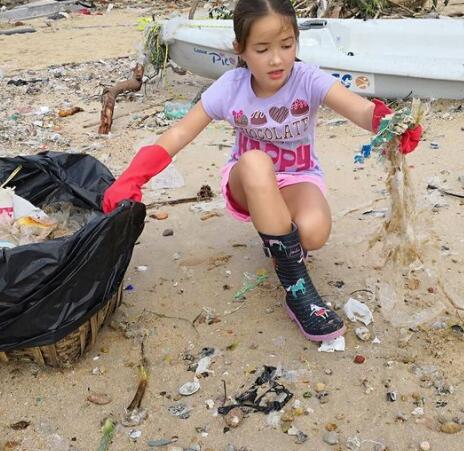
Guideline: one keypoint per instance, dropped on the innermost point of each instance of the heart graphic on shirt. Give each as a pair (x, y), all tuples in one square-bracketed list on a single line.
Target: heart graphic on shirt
[(278, 114)]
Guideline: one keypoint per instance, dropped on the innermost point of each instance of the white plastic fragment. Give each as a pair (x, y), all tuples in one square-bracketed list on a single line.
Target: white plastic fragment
[(203, 365), (333, 345), (170, 178), (23, 207), (357, 311)]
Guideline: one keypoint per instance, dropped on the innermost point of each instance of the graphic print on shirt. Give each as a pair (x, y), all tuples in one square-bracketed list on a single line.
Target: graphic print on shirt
[(287, 141), (240, 118), (279, 114), (258, 118), (299, 107)]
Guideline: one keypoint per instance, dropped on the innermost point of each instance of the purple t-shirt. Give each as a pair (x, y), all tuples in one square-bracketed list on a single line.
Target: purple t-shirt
[(282, 125)]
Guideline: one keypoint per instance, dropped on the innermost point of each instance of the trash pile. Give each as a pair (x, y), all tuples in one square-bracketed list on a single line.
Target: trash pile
[(22, 223), (27, 128)]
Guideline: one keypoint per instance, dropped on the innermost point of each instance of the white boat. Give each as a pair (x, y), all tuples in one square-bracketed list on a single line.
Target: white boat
[(384, 57)]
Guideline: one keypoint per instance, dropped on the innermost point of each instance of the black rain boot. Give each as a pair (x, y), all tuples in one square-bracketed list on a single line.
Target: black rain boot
[(304, 305)]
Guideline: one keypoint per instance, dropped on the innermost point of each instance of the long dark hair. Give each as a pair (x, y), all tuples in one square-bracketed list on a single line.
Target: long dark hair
[(248, 11)]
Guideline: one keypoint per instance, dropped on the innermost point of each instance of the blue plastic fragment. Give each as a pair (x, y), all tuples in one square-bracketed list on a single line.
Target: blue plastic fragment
[(129, 288), (358, 158), (366, 150)]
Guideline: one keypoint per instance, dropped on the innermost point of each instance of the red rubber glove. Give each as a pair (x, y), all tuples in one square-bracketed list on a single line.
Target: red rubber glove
[(409, 139), (149, 161)]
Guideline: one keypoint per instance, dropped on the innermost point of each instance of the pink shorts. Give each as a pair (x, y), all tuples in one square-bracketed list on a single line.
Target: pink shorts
[(282, 180)]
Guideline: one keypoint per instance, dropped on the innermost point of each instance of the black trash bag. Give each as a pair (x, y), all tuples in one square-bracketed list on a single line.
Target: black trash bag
[(49, 289)]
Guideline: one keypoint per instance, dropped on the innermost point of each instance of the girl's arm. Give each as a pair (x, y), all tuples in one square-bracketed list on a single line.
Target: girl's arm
[(151, 160), (368, 114), (185, 131), (350, 105)]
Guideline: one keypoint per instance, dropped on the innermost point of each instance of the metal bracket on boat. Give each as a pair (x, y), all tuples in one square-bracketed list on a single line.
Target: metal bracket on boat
[(312, 24)]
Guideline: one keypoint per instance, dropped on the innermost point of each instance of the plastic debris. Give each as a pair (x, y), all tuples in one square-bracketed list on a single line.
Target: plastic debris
[(250, 282), (357, 311), (32, 225), (176, 110), (6, 202), (170, 178), (180, 410), (353, 442), (365, 152), (272, 395), (333, 345), (203, 365)]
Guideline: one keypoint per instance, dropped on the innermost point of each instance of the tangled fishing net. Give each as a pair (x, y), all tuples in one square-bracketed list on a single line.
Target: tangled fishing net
[(156, 52), (413, 290)]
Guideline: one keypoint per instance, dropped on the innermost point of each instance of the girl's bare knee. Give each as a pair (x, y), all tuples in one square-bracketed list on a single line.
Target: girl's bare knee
[(256, 169), (314, 227)]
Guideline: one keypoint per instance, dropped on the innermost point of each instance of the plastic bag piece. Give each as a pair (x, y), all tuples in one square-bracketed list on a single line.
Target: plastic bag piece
[(357, 311), (49, 289)]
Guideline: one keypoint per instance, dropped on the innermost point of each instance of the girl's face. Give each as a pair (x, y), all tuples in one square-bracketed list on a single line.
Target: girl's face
[(270, 53)]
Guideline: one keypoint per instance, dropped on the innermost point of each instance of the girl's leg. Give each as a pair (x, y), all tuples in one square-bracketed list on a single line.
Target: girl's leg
[(310, 211), (253, 186)]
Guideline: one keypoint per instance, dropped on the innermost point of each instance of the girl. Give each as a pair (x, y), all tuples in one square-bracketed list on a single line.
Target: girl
[(273, 177)]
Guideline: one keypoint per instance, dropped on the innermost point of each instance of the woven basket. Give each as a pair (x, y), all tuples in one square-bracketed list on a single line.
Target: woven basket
[(72, 347)]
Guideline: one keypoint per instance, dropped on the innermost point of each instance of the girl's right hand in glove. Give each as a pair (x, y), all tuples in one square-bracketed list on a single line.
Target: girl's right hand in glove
[(149, 161)]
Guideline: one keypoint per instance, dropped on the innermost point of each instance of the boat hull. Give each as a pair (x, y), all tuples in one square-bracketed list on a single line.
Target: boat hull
[(206, 51)]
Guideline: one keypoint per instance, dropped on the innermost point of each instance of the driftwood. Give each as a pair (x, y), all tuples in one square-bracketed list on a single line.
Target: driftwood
[(110, 94), (17, 31)]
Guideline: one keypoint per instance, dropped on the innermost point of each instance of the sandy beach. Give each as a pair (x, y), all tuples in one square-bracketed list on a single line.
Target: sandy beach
[(204, 263)]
